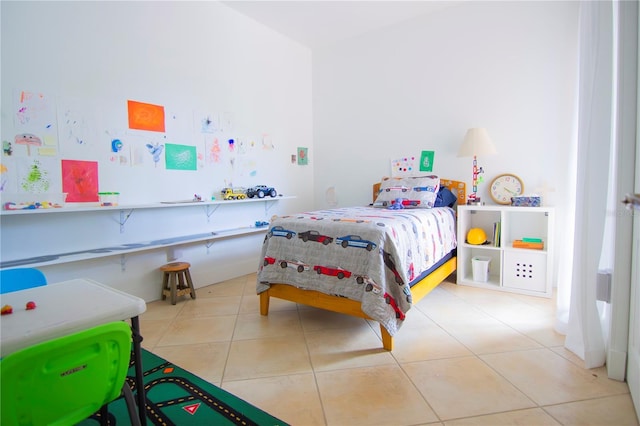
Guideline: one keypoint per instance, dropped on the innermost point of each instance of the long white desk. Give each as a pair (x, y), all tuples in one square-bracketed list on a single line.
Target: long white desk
[(67, 307)]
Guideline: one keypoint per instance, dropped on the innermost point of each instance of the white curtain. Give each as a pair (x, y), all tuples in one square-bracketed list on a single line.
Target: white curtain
[(595, 145)]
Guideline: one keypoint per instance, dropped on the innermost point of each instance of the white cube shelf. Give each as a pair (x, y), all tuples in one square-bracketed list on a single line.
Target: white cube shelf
[(518, 270), (524, 270)]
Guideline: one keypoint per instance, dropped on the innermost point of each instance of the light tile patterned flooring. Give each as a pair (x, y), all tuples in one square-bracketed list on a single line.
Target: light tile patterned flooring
[(465, 356)]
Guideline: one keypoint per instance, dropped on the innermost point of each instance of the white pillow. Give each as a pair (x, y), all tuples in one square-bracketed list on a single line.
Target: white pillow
[(412, 191)]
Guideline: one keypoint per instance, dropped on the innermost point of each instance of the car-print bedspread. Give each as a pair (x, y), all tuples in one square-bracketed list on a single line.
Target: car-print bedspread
[(362, 253)]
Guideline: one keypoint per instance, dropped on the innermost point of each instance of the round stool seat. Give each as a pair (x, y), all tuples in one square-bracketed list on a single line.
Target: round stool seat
[(176, 281), (175, 266)]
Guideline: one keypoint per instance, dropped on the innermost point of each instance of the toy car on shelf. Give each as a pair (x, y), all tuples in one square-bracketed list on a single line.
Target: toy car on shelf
[(233, 194), (261, 191)]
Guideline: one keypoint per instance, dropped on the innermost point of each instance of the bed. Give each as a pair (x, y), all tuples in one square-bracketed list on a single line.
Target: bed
[(373, 261)]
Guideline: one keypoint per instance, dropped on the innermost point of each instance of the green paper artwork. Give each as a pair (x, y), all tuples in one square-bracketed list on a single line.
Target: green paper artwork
[(426, 161), (303, 159), (180, 157)]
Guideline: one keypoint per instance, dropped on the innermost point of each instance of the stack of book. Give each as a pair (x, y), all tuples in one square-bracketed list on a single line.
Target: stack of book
[(496, 234), (529, 243)]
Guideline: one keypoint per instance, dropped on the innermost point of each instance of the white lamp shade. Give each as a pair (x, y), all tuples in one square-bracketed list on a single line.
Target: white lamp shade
[(476, 142)]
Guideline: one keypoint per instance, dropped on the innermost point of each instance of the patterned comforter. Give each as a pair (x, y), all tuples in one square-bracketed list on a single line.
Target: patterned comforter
[(362, 253)]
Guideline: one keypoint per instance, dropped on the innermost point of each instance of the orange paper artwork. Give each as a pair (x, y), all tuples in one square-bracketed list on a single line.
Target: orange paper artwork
[(146, 116)]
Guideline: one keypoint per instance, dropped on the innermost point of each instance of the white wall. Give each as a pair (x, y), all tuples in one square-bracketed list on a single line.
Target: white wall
[(506, 66), (190, 57), (419, 85)]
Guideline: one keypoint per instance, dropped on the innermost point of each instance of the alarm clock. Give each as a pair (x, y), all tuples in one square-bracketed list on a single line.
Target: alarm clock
[(505, 186)]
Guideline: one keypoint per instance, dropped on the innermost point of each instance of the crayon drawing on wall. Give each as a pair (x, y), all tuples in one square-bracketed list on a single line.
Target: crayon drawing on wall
[(35, 125), (144, 116), (80, 180), (118, 149), (404, 166), (34, 178), (73, 125), (155, 149), (180, 157), (212, 150), (209, 123)]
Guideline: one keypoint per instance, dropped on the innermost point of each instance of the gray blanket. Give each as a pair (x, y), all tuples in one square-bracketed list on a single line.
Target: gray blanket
[(362, 253)]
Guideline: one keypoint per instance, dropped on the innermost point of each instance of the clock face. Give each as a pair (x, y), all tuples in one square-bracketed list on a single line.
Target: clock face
[(504, 187)]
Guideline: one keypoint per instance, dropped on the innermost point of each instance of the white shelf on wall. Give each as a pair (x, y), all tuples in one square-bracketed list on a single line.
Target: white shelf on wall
[(83, 207), (125, 212), (122, 250), (517, 270)]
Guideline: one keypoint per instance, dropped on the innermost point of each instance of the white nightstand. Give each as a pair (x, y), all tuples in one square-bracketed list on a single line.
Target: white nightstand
[(518, 270)]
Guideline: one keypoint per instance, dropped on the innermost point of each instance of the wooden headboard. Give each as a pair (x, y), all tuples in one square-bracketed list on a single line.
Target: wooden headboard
[(458, 188)]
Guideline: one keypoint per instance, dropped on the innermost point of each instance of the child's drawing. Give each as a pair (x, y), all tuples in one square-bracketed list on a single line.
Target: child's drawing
[(35, 119), (155, 150), (36, 180), (3, 176), (143, 116), (33, 109), (209, 123), (80, 180), (7, 149), (180, 157), (404, 166), (267, 143), (73, 127), (28, 140), (212, 151)]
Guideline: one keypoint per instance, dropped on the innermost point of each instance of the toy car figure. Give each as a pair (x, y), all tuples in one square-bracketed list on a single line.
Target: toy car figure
[(406, 202), (295, 264), (233, 194), (388, 261), (370, 285), (315, 236), (424, 188), (397, 188), (351, 220), (355, 241), (279, 231), (334, 271), (260, 191), (391, 301)]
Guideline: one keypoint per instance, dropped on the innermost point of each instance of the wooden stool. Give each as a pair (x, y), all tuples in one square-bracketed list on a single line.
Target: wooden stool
[(177, 281)]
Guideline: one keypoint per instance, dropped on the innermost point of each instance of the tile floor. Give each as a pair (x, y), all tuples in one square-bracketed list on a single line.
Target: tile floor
[(465, 356)]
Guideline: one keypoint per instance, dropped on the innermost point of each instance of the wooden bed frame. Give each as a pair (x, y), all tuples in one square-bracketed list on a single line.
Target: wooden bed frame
[(352, 307)]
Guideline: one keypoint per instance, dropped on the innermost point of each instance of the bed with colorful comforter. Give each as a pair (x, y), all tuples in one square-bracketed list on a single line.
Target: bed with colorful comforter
[(369, 262), (366, 254)]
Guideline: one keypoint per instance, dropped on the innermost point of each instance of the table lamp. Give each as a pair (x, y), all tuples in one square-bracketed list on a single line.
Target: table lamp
[(476, 142)]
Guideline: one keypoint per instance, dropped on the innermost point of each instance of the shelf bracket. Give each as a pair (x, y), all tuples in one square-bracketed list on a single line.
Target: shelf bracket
[(123, 262), (208, 245), (211, 209), (267, 206), (124, 217)]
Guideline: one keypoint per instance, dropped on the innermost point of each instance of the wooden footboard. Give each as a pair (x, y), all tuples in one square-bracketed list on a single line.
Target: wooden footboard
[(348, 306)]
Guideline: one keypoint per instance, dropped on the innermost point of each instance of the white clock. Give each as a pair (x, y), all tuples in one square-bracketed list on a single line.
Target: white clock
[(504, 187)]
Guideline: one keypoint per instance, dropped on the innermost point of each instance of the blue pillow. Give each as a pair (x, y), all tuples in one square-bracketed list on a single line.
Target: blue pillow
[(445, 198)]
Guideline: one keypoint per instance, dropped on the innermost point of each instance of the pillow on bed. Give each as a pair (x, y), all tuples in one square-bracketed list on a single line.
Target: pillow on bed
[(414, 192), (445, 198)]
